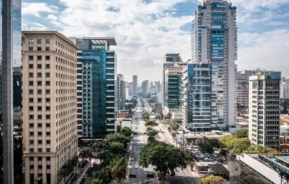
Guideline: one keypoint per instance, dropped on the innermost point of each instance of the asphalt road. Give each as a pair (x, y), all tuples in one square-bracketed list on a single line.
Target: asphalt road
[(138, 143)]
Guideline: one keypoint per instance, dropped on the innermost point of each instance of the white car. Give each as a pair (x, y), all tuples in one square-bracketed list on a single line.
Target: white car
[(136, 166)]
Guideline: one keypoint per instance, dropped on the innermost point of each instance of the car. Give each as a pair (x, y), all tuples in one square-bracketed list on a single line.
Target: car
[(136, 166)]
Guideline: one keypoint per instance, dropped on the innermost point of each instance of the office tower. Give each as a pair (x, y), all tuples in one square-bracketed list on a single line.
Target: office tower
[(214, 41), (169, 60), (173, 91), (121, 91), (135, 85), (10, 56), (99, 86), (145, 87), (283, 88), (130, 89), (196, 107), (243, 90), (49, 67), (264, 110)]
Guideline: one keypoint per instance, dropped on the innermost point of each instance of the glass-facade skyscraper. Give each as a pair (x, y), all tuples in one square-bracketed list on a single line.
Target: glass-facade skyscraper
[(96, 87), (214, 42)]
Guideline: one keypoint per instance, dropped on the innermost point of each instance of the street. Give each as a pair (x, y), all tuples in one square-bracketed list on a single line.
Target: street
[(138, 143)]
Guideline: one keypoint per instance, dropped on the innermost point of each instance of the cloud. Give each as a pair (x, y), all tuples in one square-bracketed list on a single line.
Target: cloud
[(37, 8), (52, 17), (268, 50)]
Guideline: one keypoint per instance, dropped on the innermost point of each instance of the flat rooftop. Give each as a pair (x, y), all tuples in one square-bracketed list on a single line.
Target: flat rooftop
[(100, 40)]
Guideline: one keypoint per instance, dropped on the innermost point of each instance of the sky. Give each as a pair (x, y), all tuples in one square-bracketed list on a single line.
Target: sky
[(145, 30)]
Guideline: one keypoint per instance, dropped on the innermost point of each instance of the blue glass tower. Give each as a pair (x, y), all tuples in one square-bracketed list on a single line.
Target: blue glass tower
[(97, 87)]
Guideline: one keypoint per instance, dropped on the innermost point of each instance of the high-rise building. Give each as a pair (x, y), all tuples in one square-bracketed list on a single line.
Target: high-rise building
[(214, 41), (130, 89), (135, 85), (173, 91), (170, 59), (287, 89), (145, 87), (121, 91), (264, 110), (98, 111), (10, 46), (243, 90), (49, 63), (196, 107)]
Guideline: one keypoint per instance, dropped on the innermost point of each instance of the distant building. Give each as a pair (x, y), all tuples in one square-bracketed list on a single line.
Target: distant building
[(130, 89), (145, 87), (264, 110), (243, 89), (121, 91), (134, 85)]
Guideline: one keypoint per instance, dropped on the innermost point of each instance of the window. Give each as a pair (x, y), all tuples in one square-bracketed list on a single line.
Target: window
[(39, 159), (30, 58), (30, 99), (39, 99), (47, 41), (39, 66), (31, 141), (31, 158), (47, 116), (47, 150), (47, 125), (47, 91), (30, 74), (39, 116), (31, 91), (39, 48), (39, 125), (38, 41), (39, 74), (48, 166), (48, 75), (39, 83), (31, 133), (39, 133), (47, 99), (39, 91), (39, 108), (47, 48), (47, 66), (39, 57), (30, 66), (30, 48), (30, 83), (31, 125), (48, 108), (39, 141), (31, 166), (31, 41), (47, 133), (40, 150), (47, 83), (47, 57)]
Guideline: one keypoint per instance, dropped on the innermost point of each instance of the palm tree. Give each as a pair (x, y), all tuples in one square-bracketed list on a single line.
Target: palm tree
[(117, 168)]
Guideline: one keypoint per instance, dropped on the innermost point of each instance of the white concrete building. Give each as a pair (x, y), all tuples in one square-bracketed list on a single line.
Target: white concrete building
[(264, 112)]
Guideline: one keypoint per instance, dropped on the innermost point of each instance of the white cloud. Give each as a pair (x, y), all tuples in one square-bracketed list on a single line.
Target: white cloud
[(51, 17), (269, 50), (37, 8), (144, 32)]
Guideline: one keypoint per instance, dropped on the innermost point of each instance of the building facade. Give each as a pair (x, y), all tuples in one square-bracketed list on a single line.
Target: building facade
[(197, 106), (49, 104), (145, 87), (130, 89), (170, 59), (173, 91), (135, 85), (214, 41), (243, 89), (121, 91), (264, 110), (99, 86)]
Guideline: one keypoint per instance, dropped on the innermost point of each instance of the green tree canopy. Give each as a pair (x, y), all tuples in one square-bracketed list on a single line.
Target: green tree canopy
[(117, 168), (174, 125), (126, 131), (260, 149), (164, 157), (213, 180), (242, 133), (238, 145)]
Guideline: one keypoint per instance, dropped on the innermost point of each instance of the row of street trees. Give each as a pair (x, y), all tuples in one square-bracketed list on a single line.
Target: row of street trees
[(113, 154)]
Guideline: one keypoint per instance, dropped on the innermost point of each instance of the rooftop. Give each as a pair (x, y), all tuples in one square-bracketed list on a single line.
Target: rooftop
[(218, 169), (101, 40)]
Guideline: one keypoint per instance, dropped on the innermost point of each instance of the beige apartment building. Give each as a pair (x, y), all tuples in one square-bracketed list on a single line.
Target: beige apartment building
[(49, 61)]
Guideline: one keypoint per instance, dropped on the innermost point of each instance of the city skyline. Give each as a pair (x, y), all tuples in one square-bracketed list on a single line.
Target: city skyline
[(141, 49)]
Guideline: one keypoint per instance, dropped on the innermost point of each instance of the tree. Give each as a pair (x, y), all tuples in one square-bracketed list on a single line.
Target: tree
[(152, 133), (145, 116), (238, 145), (151, 123), (241, 133), (224, 140), (174, 125), (164, 157), (126, 131), (86, 152), (260, 149), (117, 138), (213, 180), (97, 181), (205, 145), (169, 116), (117, 168)]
